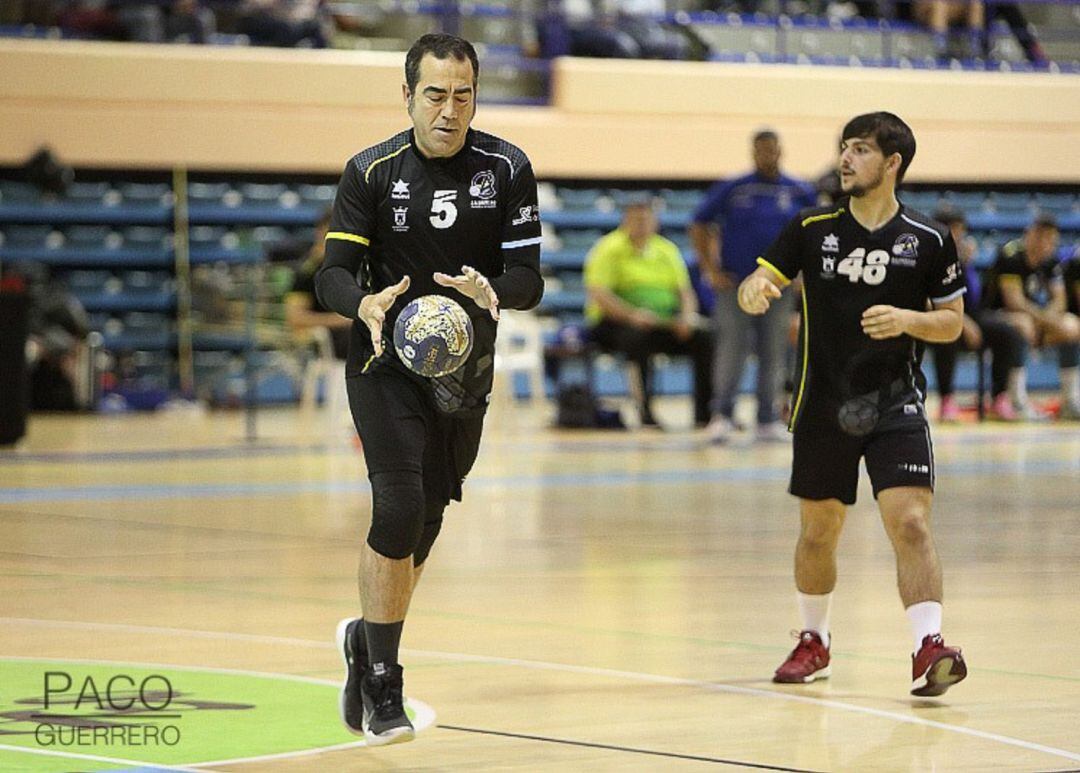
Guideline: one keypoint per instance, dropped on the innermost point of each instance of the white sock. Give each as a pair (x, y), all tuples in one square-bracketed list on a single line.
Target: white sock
[(925, 619), (1018, 386), (814, 611), (1070, 384)]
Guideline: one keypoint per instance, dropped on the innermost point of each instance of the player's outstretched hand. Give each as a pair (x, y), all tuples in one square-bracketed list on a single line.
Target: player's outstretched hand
[(880, 322), (472, 284), (756, 294), (373, 308)]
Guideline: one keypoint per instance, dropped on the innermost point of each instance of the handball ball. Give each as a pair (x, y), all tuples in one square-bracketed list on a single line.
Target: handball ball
[(433, 335), (858, 416)]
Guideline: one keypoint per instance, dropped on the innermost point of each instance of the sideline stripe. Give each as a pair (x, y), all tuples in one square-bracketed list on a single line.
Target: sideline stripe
[(119, 492), (566, 668), (139, 764), (629, 749)]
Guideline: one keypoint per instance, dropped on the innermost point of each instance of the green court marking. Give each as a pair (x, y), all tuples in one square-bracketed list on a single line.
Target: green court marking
[(183, 716)]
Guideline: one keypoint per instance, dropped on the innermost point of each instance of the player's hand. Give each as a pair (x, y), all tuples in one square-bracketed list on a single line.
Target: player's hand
[(756, 294), (373, 308), (472, 284), (880, 322)]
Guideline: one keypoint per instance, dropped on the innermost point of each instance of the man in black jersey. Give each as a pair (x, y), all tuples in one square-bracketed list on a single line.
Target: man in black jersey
[(440, 208), (879, 279), (1026, 285)]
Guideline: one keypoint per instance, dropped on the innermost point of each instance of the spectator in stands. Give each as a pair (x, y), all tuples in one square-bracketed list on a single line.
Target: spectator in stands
[(1026, 282), (141, 22), (286, 23), (303, 312), (938, 15), (1011, 14), (58, 327), (732, 226), (641, 303), (609, 29), (189, 22), (990, 328)]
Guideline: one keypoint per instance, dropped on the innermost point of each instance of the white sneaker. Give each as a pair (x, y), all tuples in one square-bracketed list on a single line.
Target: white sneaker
[(720, 430), (773, 432)]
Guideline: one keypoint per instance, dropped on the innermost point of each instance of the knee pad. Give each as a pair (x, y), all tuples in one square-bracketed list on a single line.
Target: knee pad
[(397, 513), (432, 525)]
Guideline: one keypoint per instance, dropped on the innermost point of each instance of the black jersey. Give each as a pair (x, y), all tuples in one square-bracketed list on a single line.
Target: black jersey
[(399, 213), (1012, 265), (1071, 272), (847, 269)]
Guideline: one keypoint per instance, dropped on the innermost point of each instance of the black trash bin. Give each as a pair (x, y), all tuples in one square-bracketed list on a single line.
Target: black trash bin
[(14, 383)]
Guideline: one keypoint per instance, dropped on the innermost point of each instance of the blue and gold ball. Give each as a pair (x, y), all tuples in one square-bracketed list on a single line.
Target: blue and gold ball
[(433, 335)]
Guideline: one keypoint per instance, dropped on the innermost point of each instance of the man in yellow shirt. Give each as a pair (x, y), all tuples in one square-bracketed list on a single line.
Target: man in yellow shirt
[(640, 303)]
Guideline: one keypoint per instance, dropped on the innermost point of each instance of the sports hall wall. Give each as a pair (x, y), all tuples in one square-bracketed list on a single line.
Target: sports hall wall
[(114, 105)]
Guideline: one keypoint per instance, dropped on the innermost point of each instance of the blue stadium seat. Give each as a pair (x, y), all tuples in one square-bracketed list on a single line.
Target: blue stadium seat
[(26, 235), (316, 195), (14, 190), (573, 239), (579, 199), (148, 237), (145, 194), (92, 193), (1058, 203), (970, 202), (91, 236), (263, 195), (214, 193), (922, 201), (1010, 202), (681, 200)]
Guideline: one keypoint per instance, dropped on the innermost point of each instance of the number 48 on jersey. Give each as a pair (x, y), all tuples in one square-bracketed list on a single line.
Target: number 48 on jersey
[(870, 268)]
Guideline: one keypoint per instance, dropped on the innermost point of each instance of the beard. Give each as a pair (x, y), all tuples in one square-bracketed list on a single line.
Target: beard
[(857, 190)]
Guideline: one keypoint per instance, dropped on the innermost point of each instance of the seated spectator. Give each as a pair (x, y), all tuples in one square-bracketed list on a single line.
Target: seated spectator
[(1026, 283), (981, 328), (938, 15), (285, 23), (303, 311), (141, 22), (641, 303), (188, 22), (1024, 33), (608, 30)]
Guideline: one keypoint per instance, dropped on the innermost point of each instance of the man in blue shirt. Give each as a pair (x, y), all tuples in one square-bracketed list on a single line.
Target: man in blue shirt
[(734, 224)]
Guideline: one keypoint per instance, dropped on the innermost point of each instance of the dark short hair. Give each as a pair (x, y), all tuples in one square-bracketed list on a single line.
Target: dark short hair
[(441, 46), (1045, 220), (766, 134), (890, 133)]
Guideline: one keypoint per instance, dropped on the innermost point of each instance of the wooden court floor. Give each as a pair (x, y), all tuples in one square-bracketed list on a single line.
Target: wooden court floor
[(600, 601)]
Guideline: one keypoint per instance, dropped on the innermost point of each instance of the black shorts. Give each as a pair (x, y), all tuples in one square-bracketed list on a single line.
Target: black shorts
[(402, 431), (826, 459)]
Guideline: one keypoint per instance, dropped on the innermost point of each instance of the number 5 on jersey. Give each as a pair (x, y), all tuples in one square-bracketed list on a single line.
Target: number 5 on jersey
[(872, 272), (443, 209)]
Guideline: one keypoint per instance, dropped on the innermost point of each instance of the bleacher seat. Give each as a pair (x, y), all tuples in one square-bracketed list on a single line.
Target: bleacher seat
[(145, 194), (214, 193), (969, 202), (579, 239), (26, 235), (579, 199), (91, 193), (1010, 202), (921, 201), (262, 195), (91, 236), (1058, 203), (17, 191), (681, 200), (148, 237), (87, 281), (316, 195)]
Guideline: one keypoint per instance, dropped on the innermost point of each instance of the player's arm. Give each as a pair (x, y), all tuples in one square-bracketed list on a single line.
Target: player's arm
[(939, 325), (347, 241), (760, 289), (521, 286), (776, 269)]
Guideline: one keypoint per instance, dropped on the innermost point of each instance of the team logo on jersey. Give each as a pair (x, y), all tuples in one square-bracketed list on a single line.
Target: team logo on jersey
[(906, 246), (400, 190), (400, 213), (529, 214), (482, 189), (830, 243), (952, 273), (828, 267)]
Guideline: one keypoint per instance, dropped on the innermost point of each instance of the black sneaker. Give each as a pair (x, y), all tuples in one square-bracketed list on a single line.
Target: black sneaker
[(355, 656), (385, 721)]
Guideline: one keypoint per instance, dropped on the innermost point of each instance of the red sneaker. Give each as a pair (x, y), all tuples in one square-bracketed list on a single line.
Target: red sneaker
[(807, 662), (935, 668)]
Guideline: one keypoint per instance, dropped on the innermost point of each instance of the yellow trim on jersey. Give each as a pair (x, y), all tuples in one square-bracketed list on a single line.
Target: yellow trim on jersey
[(805, 362), (816, 218), (1012, 279), (376, 162), (346, 237), (367, 364), (774, 269)]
